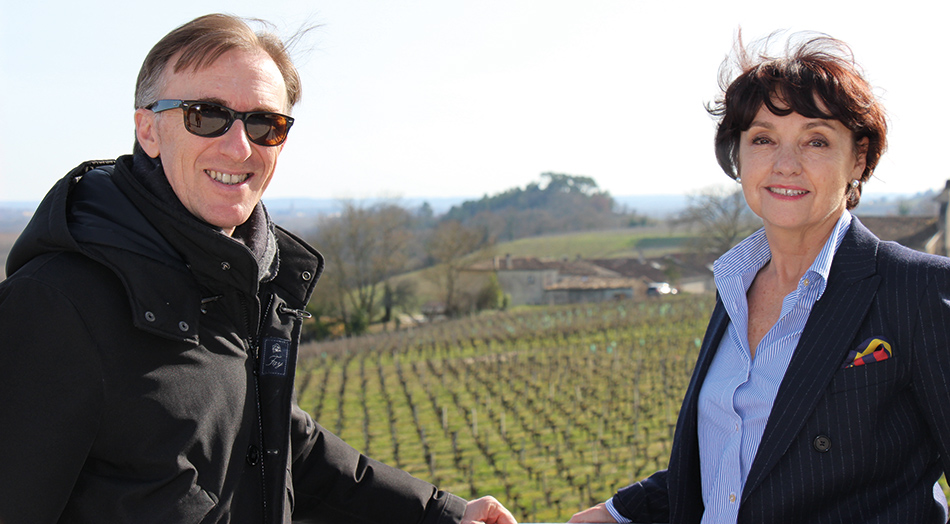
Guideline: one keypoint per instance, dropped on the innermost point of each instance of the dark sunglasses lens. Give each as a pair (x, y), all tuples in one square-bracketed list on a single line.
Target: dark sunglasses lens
[(206, 120), (266, 129)]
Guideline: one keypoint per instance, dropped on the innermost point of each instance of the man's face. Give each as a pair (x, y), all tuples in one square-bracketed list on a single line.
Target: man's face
[(221, 179)]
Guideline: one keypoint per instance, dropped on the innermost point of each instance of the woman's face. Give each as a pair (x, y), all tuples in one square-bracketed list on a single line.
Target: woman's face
[(795, 171)]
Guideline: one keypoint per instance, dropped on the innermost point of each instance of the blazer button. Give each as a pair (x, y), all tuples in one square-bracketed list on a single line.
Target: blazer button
[(822, 443), (253, 455)]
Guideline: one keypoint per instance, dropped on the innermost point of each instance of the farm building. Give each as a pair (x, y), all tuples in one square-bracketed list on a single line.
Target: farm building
[(535, 281), (574, 290)]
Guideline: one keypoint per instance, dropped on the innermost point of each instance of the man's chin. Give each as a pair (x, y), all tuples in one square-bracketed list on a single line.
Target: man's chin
[(228, 221)]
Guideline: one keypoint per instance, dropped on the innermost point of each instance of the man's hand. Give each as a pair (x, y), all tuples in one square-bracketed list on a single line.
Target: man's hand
[(487, 510), (597, 513)]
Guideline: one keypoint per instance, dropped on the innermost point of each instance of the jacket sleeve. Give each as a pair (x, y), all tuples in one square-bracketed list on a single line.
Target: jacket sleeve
[(931, 368), (335, 483), (50, 399), (645, 501)]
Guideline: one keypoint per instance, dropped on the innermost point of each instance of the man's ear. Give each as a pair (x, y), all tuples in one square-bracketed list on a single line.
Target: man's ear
[(146, 132)]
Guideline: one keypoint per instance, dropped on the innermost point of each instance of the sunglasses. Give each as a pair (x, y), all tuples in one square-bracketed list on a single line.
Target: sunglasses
[(208, 119)]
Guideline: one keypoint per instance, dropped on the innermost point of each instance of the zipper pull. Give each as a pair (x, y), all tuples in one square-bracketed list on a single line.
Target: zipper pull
[(299, 313), (206, 301)]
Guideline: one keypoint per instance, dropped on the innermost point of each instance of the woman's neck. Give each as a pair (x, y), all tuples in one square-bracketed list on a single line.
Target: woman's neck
[(793, 252)]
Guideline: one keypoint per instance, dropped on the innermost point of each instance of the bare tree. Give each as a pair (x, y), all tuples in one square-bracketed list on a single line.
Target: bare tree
[(448, 247), (364, 247), (722, 217)]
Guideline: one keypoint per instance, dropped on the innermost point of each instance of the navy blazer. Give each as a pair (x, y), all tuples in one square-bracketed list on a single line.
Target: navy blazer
[(842, 445)]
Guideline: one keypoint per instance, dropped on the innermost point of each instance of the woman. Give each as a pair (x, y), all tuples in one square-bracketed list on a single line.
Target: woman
[(822, 389)]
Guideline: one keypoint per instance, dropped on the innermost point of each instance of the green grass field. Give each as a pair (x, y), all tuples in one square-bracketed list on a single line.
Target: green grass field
[(615, 243), (653, 241)]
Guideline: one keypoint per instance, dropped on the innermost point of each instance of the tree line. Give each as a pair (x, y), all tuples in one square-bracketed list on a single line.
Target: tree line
[(559, 203), (367, 245)]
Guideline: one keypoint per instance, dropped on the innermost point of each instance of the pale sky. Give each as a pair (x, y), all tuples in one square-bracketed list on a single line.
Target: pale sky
[(452, 98)]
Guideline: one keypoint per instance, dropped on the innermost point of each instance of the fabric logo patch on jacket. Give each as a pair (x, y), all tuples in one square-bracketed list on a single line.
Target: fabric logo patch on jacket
[(274, 355)]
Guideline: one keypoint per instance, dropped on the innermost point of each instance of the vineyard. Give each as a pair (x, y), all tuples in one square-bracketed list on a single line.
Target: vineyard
[(548, 409)]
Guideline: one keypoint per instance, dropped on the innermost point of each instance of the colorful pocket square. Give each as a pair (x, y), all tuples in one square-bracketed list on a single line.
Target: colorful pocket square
[(874, 349)]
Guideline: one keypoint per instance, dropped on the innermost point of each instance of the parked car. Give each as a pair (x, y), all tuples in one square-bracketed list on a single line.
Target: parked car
[(658, 289)]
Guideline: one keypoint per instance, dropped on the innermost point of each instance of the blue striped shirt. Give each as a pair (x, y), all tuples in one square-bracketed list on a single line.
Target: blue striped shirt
[(738, 392)]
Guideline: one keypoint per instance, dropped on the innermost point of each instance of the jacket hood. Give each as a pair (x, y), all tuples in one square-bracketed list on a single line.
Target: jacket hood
[(93, 212), (85, 212)]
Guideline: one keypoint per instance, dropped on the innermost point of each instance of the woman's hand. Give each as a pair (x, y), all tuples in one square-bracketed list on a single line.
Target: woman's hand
[(597, 513)]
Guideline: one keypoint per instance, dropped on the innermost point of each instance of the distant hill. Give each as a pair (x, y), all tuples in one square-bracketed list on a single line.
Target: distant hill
[(920, 204), (329, 206), (300, 214)]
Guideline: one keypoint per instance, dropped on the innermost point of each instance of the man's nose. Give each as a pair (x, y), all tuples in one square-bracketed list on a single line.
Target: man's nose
[(235, 142)]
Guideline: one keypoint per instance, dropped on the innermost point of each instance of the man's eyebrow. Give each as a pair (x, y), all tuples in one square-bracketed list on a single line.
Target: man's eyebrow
[(212, 100), (220, 102)]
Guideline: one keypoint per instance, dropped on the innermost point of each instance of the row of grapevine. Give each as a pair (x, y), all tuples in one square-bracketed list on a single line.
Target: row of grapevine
[(548, 409)]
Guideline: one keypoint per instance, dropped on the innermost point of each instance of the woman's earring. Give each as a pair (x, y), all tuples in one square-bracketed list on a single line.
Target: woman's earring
[(854, 184)]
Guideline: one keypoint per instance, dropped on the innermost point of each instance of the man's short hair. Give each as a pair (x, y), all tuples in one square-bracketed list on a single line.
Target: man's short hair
[(203, 40)]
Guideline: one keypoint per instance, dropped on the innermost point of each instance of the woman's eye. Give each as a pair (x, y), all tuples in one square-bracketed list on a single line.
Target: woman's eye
[(818, 142), (761, 140)]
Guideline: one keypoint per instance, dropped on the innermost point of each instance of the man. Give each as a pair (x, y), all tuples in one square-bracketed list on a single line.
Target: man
[(151, 317)]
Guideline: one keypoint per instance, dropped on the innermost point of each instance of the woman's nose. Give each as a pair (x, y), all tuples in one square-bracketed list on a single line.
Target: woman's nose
[(787, 160)]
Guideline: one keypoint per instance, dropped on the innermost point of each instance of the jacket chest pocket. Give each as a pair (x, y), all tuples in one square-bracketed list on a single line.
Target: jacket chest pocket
[(865, 376), (279, 335)]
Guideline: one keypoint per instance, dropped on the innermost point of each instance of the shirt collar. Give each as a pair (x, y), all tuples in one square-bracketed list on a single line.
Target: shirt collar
[(750, 255)]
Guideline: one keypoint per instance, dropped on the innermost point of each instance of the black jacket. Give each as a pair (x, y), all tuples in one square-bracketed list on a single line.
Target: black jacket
[(146, 373)]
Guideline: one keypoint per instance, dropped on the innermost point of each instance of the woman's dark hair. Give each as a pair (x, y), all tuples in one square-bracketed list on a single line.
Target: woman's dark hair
[(817, 78)]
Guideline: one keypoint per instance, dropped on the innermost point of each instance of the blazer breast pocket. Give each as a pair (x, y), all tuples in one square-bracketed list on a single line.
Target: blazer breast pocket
[(859, 377)]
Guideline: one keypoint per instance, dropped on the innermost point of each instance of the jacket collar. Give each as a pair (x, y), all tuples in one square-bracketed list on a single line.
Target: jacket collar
[(217, 262), (214, 258)]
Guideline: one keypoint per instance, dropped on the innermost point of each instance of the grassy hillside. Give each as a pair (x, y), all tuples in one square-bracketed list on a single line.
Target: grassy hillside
[(615, 243)]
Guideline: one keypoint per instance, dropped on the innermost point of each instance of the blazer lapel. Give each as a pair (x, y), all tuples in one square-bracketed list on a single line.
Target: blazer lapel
[(684, 473), (832, 324)]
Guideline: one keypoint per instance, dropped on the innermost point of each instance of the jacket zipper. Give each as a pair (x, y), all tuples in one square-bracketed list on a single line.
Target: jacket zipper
[(255, 352), (253, 344)]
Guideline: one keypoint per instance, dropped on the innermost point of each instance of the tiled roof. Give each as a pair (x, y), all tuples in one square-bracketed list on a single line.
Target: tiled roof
[(910, 231), (593, 283)]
